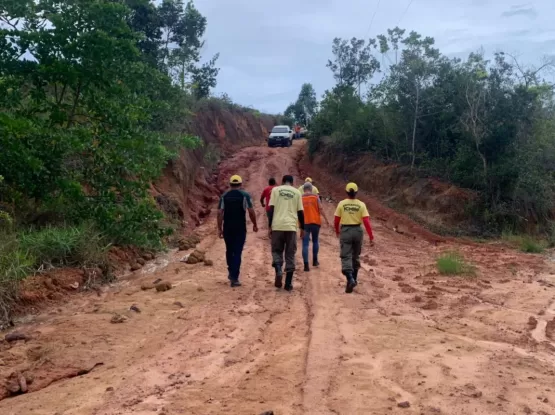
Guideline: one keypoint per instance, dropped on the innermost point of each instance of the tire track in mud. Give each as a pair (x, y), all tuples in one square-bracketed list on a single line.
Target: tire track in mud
[(315, 350)]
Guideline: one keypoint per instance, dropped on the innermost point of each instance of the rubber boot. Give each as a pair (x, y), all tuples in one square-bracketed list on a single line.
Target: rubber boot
[(350, 282), (279, 276), (355, 276), (306, 267), (289, 281)]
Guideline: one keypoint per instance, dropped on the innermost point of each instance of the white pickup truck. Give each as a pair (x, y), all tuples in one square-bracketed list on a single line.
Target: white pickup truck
[(280, 136)]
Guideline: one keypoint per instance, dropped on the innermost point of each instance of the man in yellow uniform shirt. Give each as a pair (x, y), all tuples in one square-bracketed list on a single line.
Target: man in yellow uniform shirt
[(286, 211), (349, 215), (314, 188)]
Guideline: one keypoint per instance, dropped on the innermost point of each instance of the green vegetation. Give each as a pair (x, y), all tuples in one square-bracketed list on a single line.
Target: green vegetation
[(524, 242), (487, 125), (531, 246), (68, 245), (551, 235), (304, 109), (453, 263), (94, 99)]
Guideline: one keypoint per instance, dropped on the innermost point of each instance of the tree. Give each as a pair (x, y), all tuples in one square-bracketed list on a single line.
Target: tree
[(308, 103), (145, 20), (391, 41), (84, 118), (204, 78), (481, 124), (475, 115), (353, 63), (304, 109), (412, 75), (183, 28)]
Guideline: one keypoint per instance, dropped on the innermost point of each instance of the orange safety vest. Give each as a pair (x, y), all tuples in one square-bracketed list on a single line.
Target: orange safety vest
[(311, 208)]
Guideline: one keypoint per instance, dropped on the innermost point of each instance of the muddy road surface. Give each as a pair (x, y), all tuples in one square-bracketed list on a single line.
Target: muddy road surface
[(408, 341)]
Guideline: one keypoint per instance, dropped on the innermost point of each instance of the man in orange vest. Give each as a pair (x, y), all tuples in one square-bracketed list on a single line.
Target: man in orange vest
[(297, 131), (313, 213)]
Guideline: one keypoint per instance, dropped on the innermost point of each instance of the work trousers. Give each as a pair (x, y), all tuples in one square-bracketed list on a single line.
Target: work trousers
[(234, 243), (350, 240), (284, 242)]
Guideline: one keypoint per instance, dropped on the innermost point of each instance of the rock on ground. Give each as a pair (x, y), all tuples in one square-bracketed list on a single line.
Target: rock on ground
[(163, 286)]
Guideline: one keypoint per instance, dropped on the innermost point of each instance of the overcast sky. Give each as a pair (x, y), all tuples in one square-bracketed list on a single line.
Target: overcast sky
[(268, 48)]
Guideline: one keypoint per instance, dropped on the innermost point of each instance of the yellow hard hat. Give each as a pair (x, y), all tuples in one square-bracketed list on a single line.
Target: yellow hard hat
[(351, 186), (308, 179), (235, 179)]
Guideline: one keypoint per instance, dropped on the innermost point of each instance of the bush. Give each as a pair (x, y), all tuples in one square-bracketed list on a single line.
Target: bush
[(24, 253), (50, 246), (531, 246), (15, 264), (64, 246), (524, 242), (453, 263), (551, 235)]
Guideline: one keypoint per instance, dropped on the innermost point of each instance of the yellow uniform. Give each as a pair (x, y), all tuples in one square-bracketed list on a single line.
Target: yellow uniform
[(351, 212), (314, 190), (286, 201)]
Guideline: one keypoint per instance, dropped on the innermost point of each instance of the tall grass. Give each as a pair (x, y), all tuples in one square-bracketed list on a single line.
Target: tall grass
[(15, 265), (531, 246), (26, 252), (453, 263), (551, 235), (525, 242), (54, 246)]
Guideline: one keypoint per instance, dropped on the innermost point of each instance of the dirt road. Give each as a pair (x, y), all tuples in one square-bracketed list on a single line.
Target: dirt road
[(408, 341)]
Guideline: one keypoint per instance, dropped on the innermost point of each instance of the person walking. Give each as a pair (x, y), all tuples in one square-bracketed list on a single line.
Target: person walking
[(313, 213), (349, 215), (265, 197), (297, 131), (286, 211), (232, 225), (314, 188)]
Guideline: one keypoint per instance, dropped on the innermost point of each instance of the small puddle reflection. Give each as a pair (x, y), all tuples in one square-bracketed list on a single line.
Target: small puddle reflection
[(161, 262)]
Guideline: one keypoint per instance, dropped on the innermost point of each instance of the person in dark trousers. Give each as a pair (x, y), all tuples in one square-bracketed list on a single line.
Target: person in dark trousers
[(350, 214), (286, 211), (232, 225), (313, 213), (297, 131), (265, 197)]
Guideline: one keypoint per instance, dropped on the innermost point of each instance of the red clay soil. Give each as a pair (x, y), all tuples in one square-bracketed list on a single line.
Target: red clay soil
[(392, 220), (407, 341), (433, 202), (186, 191)]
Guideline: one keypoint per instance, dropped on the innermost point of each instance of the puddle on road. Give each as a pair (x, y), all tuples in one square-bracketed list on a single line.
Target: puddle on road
[(538, 334), (159, 263)]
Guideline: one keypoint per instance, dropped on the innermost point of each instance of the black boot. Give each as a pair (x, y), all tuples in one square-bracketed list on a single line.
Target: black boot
[(315, 262), (279, 276), (350, 282), (289, 280), (355, 276), (306, 268)]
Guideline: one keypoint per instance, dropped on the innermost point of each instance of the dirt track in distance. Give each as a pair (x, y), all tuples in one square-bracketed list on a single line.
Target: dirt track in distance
[(445, 345)]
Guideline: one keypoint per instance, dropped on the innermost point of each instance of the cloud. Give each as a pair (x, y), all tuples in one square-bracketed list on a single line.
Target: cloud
[(517, 11), (269, 48)]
